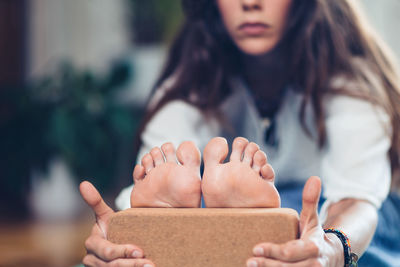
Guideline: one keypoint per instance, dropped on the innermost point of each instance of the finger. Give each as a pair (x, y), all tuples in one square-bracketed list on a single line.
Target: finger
[(309, 213), (262, 262), (107, 251), (93, 198), (292, 251), (91, 261), (131, 263)]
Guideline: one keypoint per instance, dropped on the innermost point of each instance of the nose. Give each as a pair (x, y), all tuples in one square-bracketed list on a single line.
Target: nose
[(249, 5)]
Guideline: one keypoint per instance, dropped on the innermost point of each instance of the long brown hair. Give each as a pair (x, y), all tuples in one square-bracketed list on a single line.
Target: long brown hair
[(323, 39)]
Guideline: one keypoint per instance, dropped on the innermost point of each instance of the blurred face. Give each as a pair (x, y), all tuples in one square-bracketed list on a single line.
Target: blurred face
[(256, 26)]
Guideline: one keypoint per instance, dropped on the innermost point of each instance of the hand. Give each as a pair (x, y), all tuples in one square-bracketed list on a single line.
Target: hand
[(314, 248), (100, 251)]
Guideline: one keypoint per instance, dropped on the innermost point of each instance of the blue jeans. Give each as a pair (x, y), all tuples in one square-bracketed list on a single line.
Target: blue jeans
[(384, 250)]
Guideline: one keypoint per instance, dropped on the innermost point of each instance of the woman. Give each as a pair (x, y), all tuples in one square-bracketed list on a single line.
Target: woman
[(313, 86)]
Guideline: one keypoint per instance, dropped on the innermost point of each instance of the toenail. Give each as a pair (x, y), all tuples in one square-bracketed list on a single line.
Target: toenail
[(147, 265), (252, 264)]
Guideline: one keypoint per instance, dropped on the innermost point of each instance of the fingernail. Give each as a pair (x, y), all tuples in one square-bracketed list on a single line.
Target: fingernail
[(252, 264), (258, 251), (148, 265), (137, 254)]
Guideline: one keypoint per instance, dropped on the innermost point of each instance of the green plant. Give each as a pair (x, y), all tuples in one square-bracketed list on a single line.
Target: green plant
[(75, 115)]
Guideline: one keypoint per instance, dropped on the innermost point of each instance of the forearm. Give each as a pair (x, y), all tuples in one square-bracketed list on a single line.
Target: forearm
[(356, 218)]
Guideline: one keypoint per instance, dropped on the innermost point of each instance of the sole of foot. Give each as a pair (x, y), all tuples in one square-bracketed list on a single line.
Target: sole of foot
[(246, 181), (166, 178)]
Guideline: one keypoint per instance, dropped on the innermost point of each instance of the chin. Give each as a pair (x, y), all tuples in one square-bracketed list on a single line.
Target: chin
[(256, 47)]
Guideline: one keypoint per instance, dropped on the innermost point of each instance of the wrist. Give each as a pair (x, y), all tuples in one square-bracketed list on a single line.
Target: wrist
[(337, 248), (350, 259)]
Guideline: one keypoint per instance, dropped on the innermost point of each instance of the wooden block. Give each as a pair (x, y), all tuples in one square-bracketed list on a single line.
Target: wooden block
[(201, 237)]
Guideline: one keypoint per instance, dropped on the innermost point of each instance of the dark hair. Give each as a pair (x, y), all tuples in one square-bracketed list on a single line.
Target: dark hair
[(323, 39)]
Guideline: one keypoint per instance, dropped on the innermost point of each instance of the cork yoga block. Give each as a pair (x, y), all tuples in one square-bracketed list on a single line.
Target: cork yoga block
[(201, 237)]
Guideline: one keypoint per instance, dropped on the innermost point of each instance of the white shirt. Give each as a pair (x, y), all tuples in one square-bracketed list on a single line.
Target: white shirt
[(353, 164)]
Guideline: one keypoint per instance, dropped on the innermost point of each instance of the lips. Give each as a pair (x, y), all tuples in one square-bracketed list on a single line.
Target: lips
[(253, 28)]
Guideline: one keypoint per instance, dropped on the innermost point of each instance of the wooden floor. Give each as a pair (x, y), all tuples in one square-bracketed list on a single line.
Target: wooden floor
[(43, 244)]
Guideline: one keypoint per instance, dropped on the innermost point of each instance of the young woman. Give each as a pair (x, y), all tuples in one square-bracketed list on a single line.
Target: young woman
[(311, 84)]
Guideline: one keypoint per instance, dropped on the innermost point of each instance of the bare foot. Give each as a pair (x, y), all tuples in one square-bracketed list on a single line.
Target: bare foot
[(246, 181), (163, 182)]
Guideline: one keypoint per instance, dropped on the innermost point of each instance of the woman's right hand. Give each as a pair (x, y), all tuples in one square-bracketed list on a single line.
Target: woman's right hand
[(100, 251)]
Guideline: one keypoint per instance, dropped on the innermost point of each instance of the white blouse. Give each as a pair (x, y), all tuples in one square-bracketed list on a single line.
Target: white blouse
[(353, 164)]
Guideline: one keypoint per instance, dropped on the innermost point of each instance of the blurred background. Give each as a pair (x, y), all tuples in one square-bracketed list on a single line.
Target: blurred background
[(74, 79)]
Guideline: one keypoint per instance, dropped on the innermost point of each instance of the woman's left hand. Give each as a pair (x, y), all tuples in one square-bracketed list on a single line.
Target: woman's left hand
[(314, 248)]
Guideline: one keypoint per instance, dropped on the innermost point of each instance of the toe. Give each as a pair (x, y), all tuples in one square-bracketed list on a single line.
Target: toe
[(268, 173), (147, 162), (138, 173), (249, 152), (188, 154), (215, 151), (157, 155), (238, 146), (169, 152), (259, 160)]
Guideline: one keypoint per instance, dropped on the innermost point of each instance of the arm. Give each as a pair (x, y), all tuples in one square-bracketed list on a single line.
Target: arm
[(354, 166), (356, 218)]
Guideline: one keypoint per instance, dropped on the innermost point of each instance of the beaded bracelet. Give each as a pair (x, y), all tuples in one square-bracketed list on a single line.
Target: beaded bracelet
[(350, 259)]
